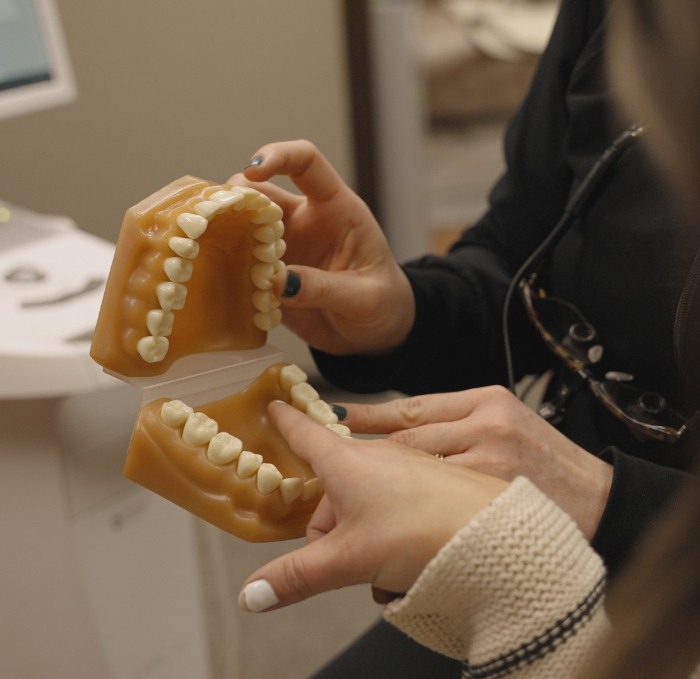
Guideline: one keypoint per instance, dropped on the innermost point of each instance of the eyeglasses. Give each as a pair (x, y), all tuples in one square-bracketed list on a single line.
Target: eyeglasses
[(570, 336), (567, 332)]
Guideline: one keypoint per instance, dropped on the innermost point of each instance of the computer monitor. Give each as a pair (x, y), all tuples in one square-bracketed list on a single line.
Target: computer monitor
[(35, 71)]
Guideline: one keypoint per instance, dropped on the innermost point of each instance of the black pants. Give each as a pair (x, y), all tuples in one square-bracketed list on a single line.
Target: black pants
[(383, 653)]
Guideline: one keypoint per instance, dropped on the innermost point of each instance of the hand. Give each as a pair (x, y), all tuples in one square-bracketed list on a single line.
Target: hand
[(351, 285), (489, 430), (387, 511)]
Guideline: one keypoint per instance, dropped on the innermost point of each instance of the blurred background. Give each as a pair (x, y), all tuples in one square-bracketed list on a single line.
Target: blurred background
[(407, 98)]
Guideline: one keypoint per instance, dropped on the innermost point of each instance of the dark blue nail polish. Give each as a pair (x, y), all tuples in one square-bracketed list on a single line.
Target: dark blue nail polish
[(340, 411), (256, 161), (293, 284)]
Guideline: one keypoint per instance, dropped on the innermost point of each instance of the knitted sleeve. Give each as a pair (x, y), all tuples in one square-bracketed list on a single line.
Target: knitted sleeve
[(517, 592)]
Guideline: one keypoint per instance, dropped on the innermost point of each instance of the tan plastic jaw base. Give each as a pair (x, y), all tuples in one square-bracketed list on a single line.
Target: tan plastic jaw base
[(218, 312), (160, 461)]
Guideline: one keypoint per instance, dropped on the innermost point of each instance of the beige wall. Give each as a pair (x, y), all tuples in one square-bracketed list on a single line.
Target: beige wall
[(171, 88)]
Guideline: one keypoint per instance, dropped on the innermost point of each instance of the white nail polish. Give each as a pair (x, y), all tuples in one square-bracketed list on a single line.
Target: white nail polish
[(257, 596)]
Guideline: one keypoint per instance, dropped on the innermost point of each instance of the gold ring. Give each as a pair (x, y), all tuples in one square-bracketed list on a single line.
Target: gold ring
[(440, 456)]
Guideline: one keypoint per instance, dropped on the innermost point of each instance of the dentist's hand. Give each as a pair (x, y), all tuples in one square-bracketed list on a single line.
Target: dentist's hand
[(489, 430), (343, 287), (387, 511)]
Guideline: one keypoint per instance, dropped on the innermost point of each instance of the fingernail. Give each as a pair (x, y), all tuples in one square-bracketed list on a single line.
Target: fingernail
[(293, 284), (257, 596), (255, 161), (340, 411)]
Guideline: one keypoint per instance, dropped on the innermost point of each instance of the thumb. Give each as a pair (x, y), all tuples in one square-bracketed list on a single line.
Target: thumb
[(312, 569)]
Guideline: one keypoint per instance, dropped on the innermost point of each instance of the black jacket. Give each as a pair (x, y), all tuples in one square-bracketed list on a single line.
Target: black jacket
[(627, 263)]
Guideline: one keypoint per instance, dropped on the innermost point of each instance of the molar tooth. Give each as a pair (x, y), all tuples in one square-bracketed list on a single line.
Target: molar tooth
[(208, 208), (227, 198), (302, 394), (266, 252), (291, 489), (248, 464), (177, 269), (159, 322), (265, 300), (268, 479), (199, 429), (321, 412), (224, 448), (265, 234), (185, 247), (267, 215), (311, 488), (290, 375), (153, 349), (175, 413), (340, 429), (193, 225), (267, 320), (262, 275), (171, 296)]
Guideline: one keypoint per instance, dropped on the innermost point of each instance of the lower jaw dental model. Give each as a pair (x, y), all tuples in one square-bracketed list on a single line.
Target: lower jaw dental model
[(185, 316)]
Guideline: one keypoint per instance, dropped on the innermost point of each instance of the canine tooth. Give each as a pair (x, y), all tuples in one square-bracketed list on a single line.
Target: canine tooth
[(177, 269), (290, 375), (159, 322), (227, 198), (302, 394), (321, 412), (267, 320), (268, 479), (266, 252), (224, 448), (248, 464), (291, 489), (340, 429), (311, 488), (153, 349), (207, 208), (175, 413), (171, 296), (262, 275), (199, 429), (193, 225), (265, 300), (185, 247), (268, 214)]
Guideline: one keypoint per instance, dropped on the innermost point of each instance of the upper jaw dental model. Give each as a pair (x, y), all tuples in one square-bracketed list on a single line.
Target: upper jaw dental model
[(185, 316)]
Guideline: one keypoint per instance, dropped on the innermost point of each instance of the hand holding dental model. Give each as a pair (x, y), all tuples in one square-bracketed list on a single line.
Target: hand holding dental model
[(387, 510), (192, 279)]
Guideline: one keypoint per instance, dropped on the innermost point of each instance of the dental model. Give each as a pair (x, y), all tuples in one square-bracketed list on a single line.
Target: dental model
[(192, 276)]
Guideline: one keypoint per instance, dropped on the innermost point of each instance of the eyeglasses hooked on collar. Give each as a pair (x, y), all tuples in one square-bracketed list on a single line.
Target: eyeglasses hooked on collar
[(572, 338)]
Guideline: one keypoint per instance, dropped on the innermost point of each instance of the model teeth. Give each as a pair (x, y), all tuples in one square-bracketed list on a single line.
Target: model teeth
[(199, 430), (175, 413), (268, 231), (269, 478), (224, 448), (321, 412), (302, 395), (159, 322), (248, 464), (290, 375), (291, 489)]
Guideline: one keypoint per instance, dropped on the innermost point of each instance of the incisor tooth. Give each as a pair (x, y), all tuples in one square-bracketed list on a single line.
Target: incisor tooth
[(262, 275), (267, 320), (185, 247), (267, 215), (321, 412), (159, 322), (177, 269), (224, 448), (171, 296), (153, 349), (290, 375), (227, 198), (302, 394), (311, 488), (291, 489), (193, 225), (268, 479), (248, 464), (199, 429), (175, 413), (207, 208)]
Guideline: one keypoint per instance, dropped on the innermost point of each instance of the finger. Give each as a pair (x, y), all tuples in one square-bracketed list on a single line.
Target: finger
[(408, 413), (303, 163), (319, 566)]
